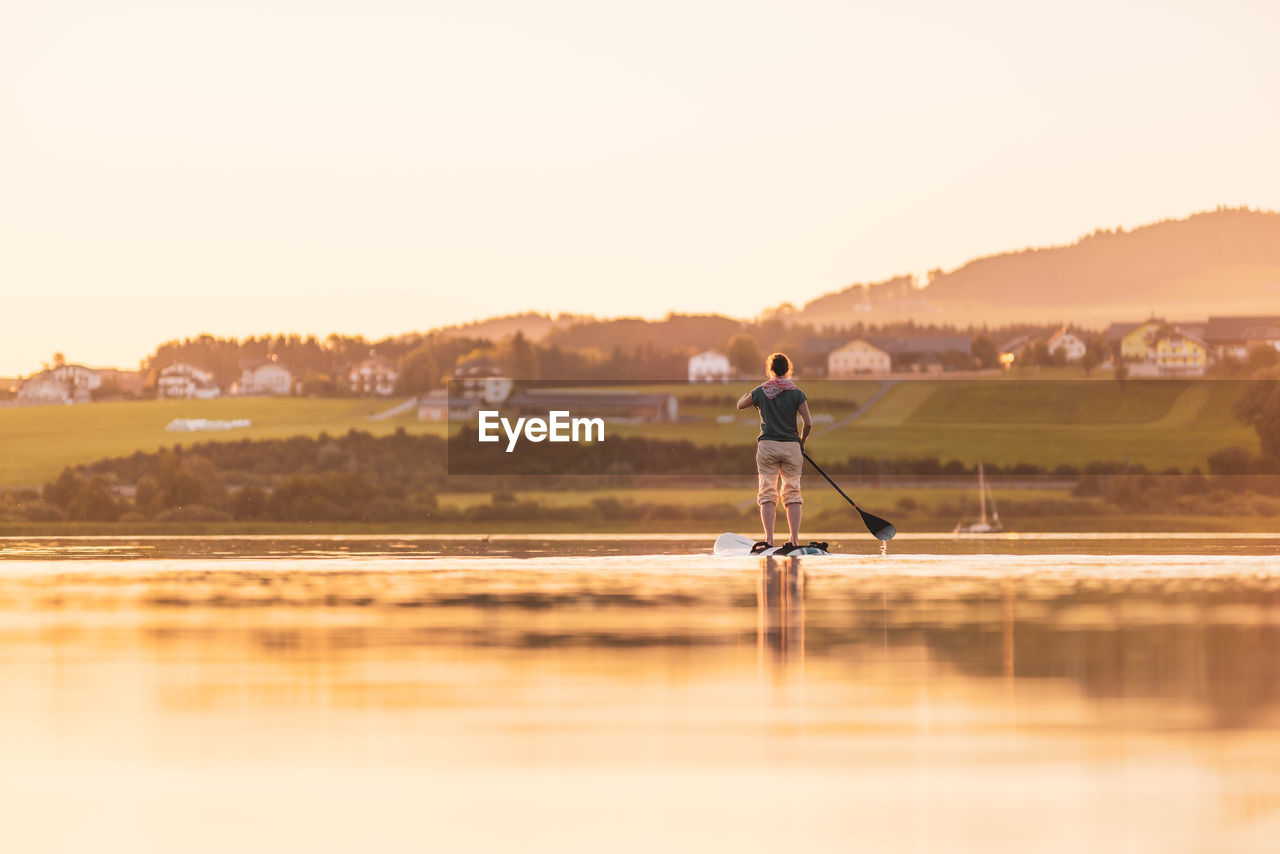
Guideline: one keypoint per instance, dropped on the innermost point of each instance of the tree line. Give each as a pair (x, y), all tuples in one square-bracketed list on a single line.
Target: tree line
[(588, 349)]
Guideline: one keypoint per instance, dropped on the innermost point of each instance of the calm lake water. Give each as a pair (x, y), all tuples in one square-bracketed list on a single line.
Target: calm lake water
[(1048, 693)]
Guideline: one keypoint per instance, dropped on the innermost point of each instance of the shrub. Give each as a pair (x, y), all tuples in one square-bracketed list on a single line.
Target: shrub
[(1233, 460), (41, 511)]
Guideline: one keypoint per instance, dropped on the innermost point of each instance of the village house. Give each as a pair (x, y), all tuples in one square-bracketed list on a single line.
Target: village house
[(264, 376), (857, 357), (1233, 337), (1071, 347), (186, 382), (709, 367), (923, 353), (476, 382), (372, 376), (1136, 342), (811, 358), (63, 384), (43, 389), (438, 405), (1012, 349), (1139, 343), (1180, 355), (481, 378), (489, 390)]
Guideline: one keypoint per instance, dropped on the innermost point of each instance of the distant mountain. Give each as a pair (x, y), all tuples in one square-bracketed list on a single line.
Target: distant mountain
[(1221, 262)]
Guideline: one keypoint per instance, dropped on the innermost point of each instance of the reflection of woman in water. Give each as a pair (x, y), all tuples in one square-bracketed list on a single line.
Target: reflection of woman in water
[(779, 448), (780, 593)]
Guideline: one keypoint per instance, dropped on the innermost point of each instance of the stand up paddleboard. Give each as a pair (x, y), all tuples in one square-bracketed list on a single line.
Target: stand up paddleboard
[(736, 545)]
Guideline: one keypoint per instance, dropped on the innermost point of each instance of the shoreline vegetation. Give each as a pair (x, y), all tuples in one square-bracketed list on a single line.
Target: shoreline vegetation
[(398, 483)]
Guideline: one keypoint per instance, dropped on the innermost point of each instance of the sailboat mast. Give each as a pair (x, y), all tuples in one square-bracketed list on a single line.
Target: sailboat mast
[(982, 495), (995, 513)]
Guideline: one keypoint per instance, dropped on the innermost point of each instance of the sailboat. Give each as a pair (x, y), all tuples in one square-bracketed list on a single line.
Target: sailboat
[(985, 524)]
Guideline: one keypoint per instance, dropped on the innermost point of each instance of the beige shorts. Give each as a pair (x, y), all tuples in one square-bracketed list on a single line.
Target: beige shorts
[(774, 457)]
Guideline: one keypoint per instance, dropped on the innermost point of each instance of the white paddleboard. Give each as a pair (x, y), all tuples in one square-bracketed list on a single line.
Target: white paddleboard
[(736, 545)]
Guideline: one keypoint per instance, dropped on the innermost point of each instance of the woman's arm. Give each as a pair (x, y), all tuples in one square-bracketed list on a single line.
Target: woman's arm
[(808, 423), (744, 402)]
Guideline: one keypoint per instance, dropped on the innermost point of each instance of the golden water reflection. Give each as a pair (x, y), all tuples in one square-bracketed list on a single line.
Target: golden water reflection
[(912, 703)]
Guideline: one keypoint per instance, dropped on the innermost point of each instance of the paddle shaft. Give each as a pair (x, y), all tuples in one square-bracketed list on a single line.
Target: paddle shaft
[(830, 481)]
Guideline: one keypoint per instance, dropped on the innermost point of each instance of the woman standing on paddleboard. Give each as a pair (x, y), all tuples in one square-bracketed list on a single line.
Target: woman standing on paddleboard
[(779, 447)]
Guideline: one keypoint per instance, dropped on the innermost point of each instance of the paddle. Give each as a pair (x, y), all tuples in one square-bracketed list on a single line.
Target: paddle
[(878, 527)]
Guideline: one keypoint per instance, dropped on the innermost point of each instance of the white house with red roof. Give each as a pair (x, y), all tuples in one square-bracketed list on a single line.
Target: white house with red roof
[(1071, 347)]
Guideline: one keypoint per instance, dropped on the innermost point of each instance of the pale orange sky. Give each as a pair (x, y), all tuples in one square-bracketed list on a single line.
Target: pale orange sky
[(373, 167)]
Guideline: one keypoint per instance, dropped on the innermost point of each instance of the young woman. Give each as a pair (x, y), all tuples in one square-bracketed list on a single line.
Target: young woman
[(779, 447)]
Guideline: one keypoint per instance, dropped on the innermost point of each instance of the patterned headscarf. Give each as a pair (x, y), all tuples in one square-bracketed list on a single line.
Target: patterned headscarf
[(776, 386)]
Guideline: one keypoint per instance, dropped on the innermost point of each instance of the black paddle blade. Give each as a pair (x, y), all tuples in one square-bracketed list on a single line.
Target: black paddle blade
[(878, 527)]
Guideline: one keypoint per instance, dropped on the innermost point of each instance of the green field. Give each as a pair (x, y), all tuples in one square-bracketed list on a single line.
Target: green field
[(845, 391), (1159, 424), (37, 442)]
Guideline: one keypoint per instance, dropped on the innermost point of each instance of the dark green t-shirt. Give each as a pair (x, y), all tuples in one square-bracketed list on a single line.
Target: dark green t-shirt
[(778, 416)]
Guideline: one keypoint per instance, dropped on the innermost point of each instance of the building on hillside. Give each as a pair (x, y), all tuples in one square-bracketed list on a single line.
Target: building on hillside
[(1233, 337), (710, 367), (438, 405), (1012, 349), (372, 376), (811, 358), (186, 382), (857, 357), (1071, 347), (78, 376), (1136, 342), (264, 376), (42, 389), (1115, 333), (480, 378), (920, 353), (63, 384), (1181, 355), (1139, 343), (433, 406), (82, 382), (616, 405), (489, 390)]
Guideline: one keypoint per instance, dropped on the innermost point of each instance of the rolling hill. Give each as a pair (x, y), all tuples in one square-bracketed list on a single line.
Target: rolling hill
[(1220, 262)]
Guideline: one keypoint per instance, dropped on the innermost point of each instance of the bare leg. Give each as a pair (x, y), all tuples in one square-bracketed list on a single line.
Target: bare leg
[(768, 511), (793, 523)]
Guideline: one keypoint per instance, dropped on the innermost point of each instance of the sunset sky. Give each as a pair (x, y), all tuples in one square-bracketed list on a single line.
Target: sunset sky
[(375, 167)]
